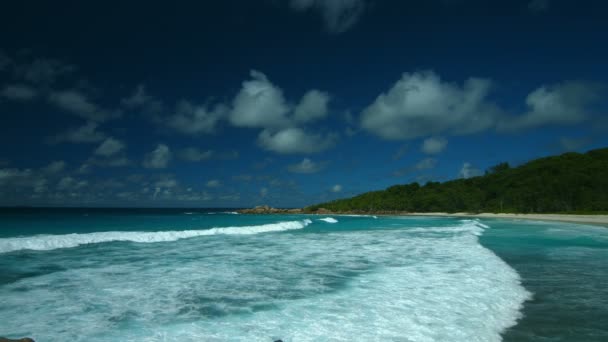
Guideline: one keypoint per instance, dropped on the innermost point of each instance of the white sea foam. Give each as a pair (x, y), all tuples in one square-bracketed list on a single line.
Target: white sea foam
[(400, 286), (50, 242), (329, 220)]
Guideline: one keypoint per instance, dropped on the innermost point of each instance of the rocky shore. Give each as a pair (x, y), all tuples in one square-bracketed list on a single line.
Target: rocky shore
[(264, 209)]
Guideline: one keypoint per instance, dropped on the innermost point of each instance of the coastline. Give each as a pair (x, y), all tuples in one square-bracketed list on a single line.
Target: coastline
[(601, 220)]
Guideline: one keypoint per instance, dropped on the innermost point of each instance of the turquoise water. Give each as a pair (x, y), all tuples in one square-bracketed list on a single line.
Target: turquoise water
[(195, 275)]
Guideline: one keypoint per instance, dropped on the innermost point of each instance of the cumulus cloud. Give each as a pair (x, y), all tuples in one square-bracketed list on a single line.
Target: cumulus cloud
[(336, 188), (166, 183), (159, 158), (425, 164), (294, 140), (14, 180), (193, 119), (421, 104), (78, 104), (213, 183), (560, 104), (19, 92), (313, 106), (87, 133), (468, 171), (193, 154), (140, 100), (54, 167), (109, 147), (70, 184), (434, 145), (339, 15), (259, 104), (305, 166)]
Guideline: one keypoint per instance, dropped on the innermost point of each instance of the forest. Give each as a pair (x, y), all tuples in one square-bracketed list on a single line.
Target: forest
[(567, 183)]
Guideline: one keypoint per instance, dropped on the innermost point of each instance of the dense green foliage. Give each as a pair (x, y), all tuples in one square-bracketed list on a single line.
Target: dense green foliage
[(571, 182)]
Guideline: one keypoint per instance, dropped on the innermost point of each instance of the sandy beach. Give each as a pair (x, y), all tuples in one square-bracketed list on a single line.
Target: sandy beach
[(588, 219)]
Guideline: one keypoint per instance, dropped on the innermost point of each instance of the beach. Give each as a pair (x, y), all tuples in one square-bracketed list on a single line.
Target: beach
[(586, 219)]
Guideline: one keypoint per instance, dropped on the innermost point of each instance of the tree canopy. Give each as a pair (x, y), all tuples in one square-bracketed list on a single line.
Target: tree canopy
[(571, 182)]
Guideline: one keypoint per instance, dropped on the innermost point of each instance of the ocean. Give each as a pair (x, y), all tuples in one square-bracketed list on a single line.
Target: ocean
[(214, 275)]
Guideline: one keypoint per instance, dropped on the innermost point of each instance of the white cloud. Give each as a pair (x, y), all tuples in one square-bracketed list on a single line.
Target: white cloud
[(193, 154), (421, 104), (159, 158), (336, 188), (16, 179), (434, 145), (339, 15), (192, 119), (312, 106), (294, 140), (70, 184), (139, 99), (259, 104), (425, 164), (305, 166), (78, 104), (87, 133), (213, 183), (166, 183), (110, 147), (559, 104), (468, 171), (55, 167), (19, 92), (263, 192)]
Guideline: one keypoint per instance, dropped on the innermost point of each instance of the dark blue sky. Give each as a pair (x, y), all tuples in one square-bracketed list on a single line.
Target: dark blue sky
[(238, 103)]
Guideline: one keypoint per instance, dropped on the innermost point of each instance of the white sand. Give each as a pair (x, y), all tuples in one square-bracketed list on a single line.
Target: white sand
[(590, 219)]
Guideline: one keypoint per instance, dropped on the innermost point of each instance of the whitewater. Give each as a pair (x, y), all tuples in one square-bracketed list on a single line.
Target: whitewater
[(227, 277)]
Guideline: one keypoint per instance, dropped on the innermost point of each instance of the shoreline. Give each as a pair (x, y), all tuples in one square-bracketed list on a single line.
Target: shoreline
[(601, 220)]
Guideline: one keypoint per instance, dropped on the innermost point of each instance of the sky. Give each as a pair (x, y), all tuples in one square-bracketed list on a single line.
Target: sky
[(287, 103)]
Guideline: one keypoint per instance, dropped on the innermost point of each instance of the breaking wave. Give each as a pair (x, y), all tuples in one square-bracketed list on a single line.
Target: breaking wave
[(50, 242)]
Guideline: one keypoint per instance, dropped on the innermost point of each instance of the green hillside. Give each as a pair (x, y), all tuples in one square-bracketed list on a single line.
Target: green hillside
[(568, 183)]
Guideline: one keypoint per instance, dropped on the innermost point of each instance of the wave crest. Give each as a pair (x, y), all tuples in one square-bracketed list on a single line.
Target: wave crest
[(50, 242)]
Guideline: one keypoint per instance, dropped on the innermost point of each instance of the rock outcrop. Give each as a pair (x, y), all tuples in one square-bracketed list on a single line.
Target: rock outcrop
[(25, 339), (264, 209)]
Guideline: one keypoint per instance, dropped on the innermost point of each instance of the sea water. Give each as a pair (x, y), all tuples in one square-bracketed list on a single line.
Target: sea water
[(201, 275)]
